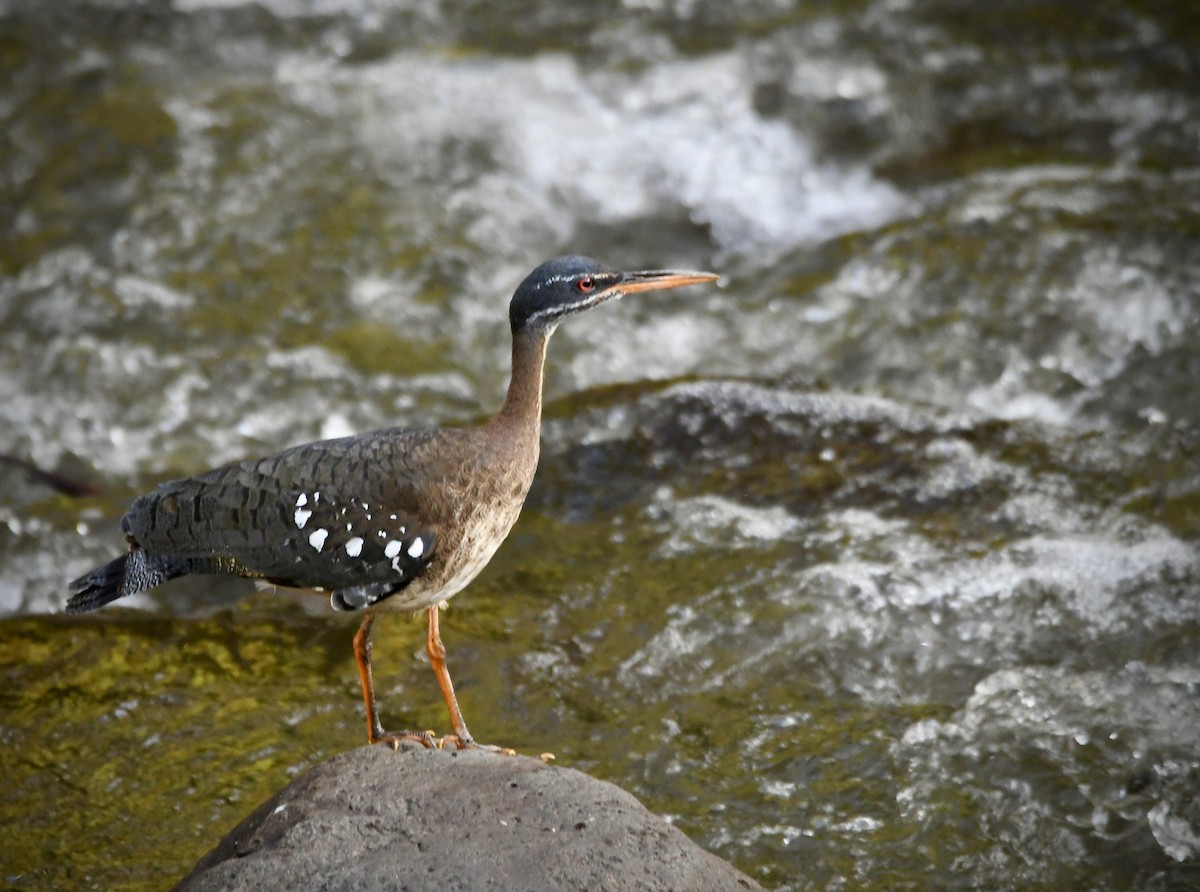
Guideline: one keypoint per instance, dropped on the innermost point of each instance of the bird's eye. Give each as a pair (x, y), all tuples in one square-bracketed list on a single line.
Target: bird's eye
[(586, 284)]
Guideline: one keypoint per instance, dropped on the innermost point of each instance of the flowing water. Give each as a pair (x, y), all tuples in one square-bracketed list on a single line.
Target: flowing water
[(873, 567)]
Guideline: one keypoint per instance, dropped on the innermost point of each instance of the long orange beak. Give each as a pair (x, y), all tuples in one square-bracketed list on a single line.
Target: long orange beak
[(661, 279)]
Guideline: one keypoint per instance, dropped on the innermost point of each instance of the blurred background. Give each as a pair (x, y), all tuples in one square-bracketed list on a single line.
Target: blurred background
[(874, 567)]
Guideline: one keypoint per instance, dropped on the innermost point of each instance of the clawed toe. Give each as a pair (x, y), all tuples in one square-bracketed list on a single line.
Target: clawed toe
[(393, 738), (469, 744), (428, 740)]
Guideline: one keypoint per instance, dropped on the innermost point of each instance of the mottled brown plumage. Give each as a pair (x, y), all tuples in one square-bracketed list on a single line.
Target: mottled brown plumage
[(392, 520)]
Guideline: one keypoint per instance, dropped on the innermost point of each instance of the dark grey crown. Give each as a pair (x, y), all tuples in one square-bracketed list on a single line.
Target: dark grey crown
[(552, 291)]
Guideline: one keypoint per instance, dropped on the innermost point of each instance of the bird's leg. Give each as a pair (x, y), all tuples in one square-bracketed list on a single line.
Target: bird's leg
[(375, 732), (461, 737), (437, 660)]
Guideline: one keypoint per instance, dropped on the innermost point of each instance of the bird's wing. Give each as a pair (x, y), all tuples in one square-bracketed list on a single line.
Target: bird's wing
[(334, 514)]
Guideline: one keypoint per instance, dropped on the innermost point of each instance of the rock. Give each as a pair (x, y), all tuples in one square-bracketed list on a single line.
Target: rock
[(415, 820)]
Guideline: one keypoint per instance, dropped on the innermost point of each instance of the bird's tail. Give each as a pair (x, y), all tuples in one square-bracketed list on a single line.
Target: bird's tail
[(132, 572)]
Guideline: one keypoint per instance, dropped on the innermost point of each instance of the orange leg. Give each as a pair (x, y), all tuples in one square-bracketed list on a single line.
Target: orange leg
[(461, 737), (375, 732), (437, 660)]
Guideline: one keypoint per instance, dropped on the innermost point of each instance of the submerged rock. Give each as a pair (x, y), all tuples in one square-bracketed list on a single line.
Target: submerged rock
[(420, 820)]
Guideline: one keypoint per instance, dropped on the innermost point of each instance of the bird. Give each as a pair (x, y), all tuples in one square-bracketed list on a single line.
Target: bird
[(395, 520)]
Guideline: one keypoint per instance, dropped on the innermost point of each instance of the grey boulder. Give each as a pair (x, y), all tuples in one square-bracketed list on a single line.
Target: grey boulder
[(374, 819)]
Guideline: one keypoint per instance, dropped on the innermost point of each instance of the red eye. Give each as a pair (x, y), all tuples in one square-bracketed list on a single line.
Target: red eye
[(586, 284)]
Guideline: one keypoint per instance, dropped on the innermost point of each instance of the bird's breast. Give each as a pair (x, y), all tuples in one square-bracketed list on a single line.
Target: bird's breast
[(475, 505)]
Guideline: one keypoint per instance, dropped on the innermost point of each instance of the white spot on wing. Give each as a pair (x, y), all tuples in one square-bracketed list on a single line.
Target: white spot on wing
[(301, 500), (317, 539), (392, 548), (302, 517), (414, 550), (354, 546)]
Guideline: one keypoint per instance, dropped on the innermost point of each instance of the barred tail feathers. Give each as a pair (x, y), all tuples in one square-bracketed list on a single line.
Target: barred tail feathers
[(132, 572)]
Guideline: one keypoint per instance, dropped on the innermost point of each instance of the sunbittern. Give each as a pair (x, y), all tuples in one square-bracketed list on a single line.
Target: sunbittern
[(392, 520)]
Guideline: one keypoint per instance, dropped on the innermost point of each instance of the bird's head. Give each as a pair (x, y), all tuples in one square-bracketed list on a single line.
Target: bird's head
[(567, 285)]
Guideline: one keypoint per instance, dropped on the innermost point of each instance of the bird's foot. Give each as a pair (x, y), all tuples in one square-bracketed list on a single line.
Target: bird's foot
[(466, 743), (393, 738)]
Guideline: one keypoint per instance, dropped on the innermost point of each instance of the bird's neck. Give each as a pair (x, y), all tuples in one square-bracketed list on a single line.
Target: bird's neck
[(522, 409)]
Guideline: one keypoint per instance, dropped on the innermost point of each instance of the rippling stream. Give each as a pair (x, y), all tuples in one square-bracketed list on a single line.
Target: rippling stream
[(874, 567)]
